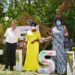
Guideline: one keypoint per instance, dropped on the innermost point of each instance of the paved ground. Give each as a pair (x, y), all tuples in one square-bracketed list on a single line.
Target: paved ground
[(7, 72), (20, 73)]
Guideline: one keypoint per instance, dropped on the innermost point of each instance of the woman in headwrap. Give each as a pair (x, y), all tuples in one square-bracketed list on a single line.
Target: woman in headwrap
[(58, 35), (32, 38), (59, 32)]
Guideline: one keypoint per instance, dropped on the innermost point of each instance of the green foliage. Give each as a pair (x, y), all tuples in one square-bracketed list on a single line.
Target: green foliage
[(69, 19), (43, 11), (73, 48), (1, 7), (1, 10), (70, 58)]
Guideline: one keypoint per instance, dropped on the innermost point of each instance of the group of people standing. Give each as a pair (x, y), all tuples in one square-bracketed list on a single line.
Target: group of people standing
[(33, 37)]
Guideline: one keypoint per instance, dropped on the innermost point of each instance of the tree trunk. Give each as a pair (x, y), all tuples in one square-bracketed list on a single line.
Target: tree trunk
[(64, 7), (29, 2), (15, 2), (61, 9)]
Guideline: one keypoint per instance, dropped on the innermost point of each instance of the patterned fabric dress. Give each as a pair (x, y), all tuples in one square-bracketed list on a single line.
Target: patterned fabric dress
[(58, 46)]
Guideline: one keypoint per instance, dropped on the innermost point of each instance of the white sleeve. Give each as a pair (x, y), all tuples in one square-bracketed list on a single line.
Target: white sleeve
[(6, 33)]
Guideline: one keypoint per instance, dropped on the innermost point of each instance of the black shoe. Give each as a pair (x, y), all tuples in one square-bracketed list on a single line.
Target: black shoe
[(23, 70), (11, 69)]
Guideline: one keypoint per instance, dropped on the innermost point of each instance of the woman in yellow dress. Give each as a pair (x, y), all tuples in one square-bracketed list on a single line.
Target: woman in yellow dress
[(32, 38)]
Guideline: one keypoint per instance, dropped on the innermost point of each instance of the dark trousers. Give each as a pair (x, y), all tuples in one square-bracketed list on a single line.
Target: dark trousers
[(10, 55)]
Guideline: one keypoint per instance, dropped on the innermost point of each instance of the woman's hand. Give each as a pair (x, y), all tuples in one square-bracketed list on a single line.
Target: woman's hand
[(45, 39), (35, 41), (66, 34)]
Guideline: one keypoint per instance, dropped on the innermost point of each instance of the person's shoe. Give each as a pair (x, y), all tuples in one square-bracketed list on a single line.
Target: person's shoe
[(23, 70), (11, 69)]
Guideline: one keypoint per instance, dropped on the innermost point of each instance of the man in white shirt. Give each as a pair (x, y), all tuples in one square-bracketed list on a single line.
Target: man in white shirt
[(11, 37)]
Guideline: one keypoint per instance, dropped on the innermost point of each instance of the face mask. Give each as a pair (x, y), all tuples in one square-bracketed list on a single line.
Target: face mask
[(58, 22), (33, 28)]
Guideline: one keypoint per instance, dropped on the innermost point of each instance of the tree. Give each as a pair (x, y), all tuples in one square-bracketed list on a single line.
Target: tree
[(1, 10), (63, 7), (44, 11)]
